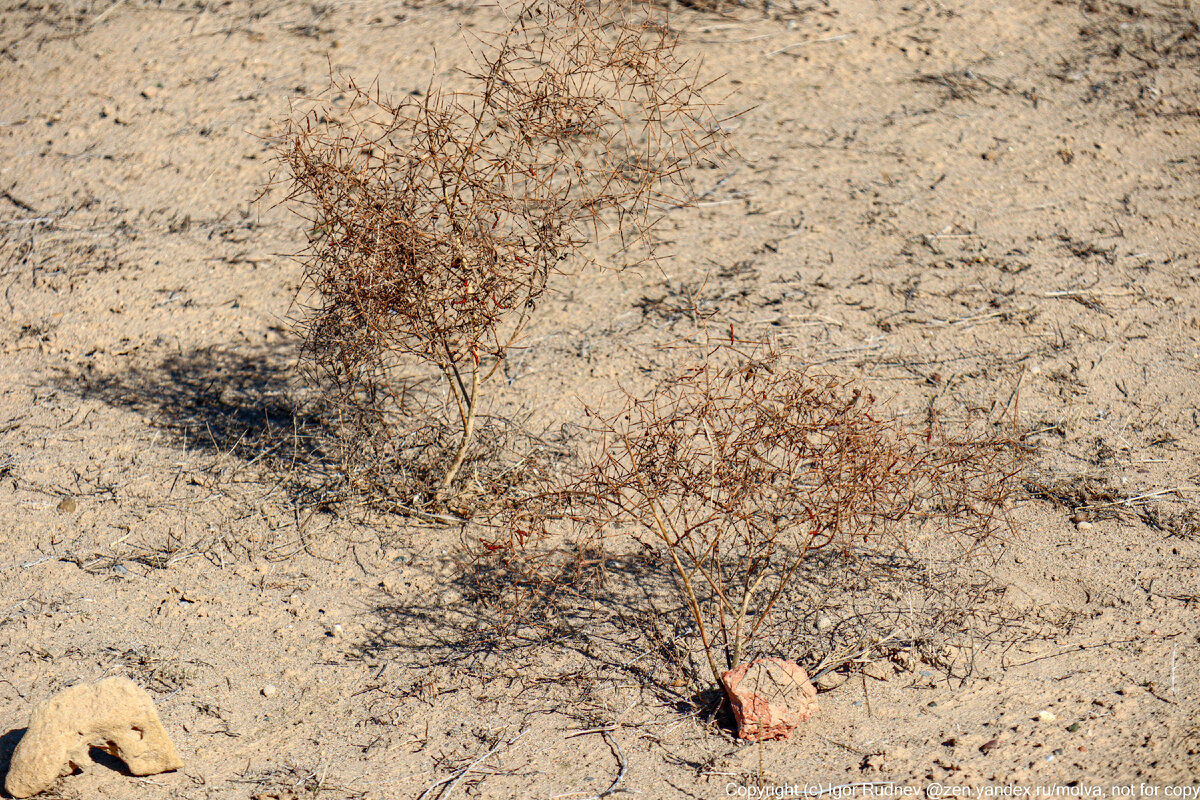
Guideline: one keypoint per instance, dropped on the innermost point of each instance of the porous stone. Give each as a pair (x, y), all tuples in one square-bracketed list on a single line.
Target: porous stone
[(770, 698), (113, 715)]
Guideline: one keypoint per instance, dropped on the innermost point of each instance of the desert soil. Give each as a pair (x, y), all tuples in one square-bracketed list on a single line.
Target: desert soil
[(974, 207)]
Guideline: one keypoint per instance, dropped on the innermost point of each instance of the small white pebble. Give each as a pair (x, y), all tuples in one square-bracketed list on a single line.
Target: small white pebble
[(1047, 716), (269, 691), (824, 623), (1083, 526)]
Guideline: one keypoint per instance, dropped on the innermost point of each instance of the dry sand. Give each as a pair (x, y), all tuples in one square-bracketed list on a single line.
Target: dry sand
[(950, 200)]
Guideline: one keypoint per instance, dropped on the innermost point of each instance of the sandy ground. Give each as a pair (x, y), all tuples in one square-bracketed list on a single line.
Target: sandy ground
[(974, 206)]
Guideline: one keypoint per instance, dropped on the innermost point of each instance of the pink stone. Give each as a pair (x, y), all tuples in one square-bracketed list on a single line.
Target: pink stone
[(770, 698)]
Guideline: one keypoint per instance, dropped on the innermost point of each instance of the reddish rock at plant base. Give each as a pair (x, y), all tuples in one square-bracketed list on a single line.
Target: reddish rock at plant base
[(770, 698)]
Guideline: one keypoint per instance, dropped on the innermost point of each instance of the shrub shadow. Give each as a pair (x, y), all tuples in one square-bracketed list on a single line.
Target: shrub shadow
[(252, 405), (8, 744), (105, 759), (214, 399), (621, 618), (588, 614), (220, 400)]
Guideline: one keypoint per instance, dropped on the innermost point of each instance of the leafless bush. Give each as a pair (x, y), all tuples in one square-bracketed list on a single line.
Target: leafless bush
[(743, 465), (435, 224)]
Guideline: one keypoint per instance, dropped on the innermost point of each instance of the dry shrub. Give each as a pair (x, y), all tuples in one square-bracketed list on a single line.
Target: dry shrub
[(436, 223), (742, 466)]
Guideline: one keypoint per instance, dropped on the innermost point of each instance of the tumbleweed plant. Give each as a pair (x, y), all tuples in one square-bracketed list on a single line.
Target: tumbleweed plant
[(742, 465), (436, 223)]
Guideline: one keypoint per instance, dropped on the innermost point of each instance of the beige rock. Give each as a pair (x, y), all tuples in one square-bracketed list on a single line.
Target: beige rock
[(770, 698), (113, 715)]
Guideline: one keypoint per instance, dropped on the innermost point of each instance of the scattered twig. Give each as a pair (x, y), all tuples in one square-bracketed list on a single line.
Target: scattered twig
[(451, 782), (832, 661), (7, 195), (1084, 647), (105, 13), (621, 766), (589, 731), (1140, 498), (807, 42)]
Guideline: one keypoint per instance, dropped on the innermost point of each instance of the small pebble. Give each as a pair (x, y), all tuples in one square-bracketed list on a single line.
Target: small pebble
[(824, 623), (269, 691), (1083, 526), (879, 670), (67, 505), (1074, 726), (1046, 716), (830, 680)]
